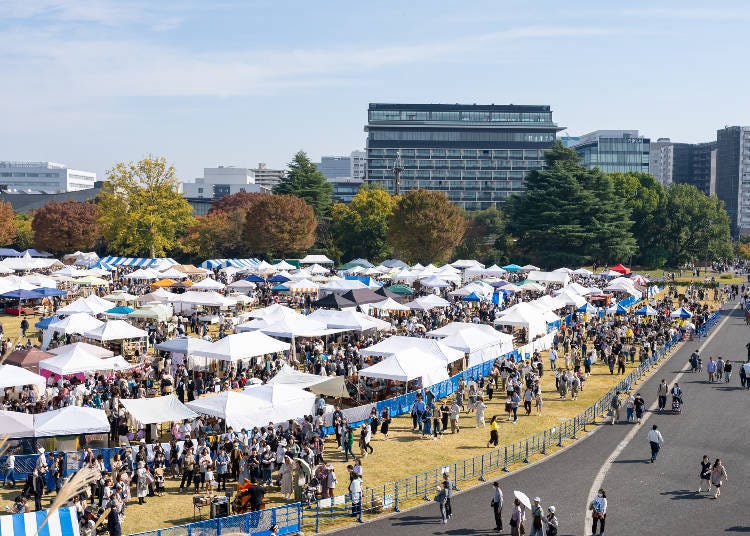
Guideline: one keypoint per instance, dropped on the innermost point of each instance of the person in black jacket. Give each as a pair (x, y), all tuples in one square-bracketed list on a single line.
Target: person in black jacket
[(36, 488)]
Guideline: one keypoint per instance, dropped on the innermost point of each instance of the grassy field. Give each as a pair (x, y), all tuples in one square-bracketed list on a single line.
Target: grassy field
[(402, 455)]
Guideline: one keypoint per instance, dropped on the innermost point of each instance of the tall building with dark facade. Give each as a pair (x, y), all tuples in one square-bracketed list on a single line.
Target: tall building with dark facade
[(733, 176), (614, 150), (685, 163), (478, 155)]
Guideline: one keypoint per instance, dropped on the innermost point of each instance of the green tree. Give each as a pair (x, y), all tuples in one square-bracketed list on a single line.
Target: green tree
[(142, 211), (647, 200), (698, 226), (24, 234), (570, 215), (485, 238), (426, 227), (279, 225), (360, 228), (8, 229), (304, 180), (66, 226)]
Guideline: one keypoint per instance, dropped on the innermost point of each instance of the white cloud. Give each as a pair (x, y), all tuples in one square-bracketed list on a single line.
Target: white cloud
[(680, 12), (135, 67)]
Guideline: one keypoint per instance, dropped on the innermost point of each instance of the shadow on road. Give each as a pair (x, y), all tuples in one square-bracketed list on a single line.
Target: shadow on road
[(738, 529), (679, 494), (417, 520), (648, 461)]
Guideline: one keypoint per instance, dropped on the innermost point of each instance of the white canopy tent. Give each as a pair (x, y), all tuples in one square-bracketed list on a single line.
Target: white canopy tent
[(143, 274), (285, 401), (315, 259), (70, 420), (13, 376), (75, 324), (117, 363), (75, 361), (157, 409), (120, 296), (425, 303), (16, 424), (396, 344), (96, 351), (205, 298), (349, 320), (526, 316), (341, 286), (456, 327), (159, 295), (243, 346), (115, 330), (407, 365), (479, 344), (236, 408), (389, 304), (324, 385), (93, 305), (208, 284)]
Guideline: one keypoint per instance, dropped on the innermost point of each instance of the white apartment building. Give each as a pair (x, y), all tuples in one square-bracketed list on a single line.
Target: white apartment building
[(266, 177), (220, 181), (358, 165), (43, 177)]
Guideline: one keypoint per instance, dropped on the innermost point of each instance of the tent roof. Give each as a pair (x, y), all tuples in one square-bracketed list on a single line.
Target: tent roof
[(93, 305), (398, 343), (157, 409), (389, 304), (70, 420), (27, 358), (457, 327), (13, 376), (236, 408), (92, 349), (208, 284), (243, 346), (208, 298), (326, 385), (363, 296), (115, 330), (184, 345), (407, 365), (620, 269), (333, 300), (315, 259), (74, 361), (77, 323), (474, 338), (348, 320), (16, 424)]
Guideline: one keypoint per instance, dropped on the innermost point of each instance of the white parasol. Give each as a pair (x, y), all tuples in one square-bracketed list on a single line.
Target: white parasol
[(521, 496)]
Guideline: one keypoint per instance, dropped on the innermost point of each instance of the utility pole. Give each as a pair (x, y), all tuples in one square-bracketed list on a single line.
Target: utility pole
[(398, 168)]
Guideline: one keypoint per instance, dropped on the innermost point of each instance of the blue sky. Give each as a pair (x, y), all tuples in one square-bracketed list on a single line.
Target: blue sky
[(90, 83)]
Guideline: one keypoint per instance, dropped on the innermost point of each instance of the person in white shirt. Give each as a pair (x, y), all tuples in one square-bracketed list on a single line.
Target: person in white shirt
[(656, 441), (355, 490)]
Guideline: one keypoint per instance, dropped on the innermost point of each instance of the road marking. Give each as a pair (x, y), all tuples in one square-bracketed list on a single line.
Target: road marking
[(599, 480)]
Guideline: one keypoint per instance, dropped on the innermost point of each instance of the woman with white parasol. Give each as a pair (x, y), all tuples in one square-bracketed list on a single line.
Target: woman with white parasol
[(518, 514)]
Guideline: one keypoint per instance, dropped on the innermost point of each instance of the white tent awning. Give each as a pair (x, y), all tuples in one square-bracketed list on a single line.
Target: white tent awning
[(157, 409)]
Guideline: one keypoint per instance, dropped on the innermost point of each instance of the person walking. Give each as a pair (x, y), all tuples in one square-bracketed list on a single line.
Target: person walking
[(454, 414), (718, 476), (517, 518), (727, 371), (705, 475), (493, 432), (480, 408), (598, 509), (614, 406), (537, 514), (385, 422), (656, 440), (355, 491), (711, 369), (497, 505), (442, 498), (514, 401), (10, 467), (662, 392), (448, 484), (639, 404), (552, 522), (629, 407)]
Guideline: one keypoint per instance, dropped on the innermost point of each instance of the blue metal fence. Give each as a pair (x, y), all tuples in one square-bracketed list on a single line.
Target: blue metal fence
[(424, 485)]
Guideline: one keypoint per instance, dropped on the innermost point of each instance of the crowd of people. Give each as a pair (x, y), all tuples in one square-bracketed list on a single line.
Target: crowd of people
[(292, 456)]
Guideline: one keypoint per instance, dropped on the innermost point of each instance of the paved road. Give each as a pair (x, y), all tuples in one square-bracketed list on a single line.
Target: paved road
[(644, 498)]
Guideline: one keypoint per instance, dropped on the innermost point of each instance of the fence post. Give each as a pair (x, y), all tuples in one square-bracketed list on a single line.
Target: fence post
[(526, 458), (505, 462), (455, 475), (481, 476), (584, 423), (559, 440), (395, 498), (247, 523), (361, 500), (544, 443), (218, 527), (317, 516), (425, 497), (575, 421), (596, 412)]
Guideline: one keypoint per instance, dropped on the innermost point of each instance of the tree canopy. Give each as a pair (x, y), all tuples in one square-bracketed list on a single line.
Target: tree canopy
[(236, 201), (217, 235), (8, 229), (360, 228), (142, 212), (425, 227), (485, 238), (65, 226), (303, 179), (279, 225), (570, 215)]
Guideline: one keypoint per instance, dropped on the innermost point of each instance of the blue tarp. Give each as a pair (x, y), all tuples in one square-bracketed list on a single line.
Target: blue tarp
[(46, 291), (512, 268), (278, 279), (140, 262), (46, 321), (22, 294), (254, 279), (472, 297)]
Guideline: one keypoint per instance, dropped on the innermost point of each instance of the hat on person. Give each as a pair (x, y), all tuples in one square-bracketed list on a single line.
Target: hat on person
[(41, 450), (537, 499), (496, 484), (551, 509)]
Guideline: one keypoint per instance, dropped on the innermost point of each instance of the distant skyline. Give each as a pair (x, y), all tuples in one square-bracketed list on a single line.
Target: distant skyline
[(236, 82)]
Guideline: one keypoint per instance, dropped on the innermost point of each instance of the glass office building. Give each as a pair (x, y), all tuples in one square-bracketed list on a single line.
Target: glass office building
[(477, 155), (614, 150)]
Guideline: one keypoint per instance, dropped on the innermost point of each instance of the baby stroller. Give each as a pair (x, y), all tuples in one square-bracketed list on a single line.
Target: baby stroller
[(310, 493), (159, 481), (676, 404)]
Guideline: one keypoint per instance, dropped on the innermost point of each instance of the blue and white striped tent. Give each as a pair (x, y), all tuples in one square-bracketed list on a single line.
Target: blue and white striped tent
[(64, 522), (213, 264), (135, 261)]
